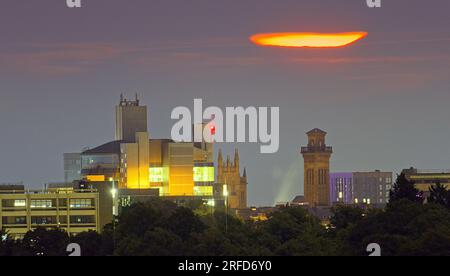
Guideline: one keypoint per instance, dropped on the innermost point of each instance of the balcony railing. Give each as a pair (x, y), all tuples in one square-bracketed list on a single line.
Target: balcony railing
[(317, 149)]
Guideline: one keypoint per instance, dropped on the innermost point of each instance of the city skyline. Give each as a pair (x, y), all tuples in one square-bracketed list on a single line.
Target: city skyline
[(382, 100)]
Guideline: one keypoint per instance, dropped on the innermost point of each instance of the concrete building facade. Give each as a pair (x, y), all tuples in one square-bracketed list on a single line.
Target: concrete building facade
[(372, 187), (130, 118), (69, 209)]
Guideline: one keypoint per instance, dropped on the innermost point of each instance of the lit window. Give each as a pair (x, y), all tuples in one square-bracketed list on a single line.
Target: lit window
[(80, 203), (203, 174), (20, 203), (95, 178), (82, 219), (157, 175), (41, 204), (203, 191), (225, 191), (341, 195)]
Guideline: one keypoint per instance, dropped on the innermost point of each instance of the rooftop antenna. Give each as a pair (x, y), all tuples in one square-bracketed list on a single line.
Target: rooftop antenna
[(137, 99)]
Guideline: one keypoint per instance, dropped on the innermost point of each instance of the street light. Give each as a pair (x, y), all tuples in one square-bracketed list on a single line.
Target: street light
[(114, 193), (225, 194)]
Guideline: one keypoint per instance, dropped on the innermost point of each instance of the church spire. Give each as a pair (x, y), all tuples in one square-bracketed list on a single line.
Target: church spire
[(236, 159), (220, 162)]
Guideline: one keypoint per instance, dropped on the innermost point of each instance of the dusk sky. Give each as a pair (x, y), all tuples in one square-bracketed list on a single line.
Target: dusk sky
[(384, 100)]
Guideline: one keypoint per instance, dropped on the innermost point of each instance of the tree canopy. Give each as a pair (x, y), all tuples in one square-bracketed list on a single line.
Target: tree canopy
[(161, 228)]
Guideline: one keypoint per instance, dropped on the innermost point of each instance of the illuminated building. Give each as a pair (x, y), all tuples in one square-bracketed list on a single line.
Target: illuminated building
[(134, 163), (298, 201), (341, 188), (255, 213), (66, 208), (140, 163), (229, 175), (424, 179), (317, 166), (372, 188), (101, 162)]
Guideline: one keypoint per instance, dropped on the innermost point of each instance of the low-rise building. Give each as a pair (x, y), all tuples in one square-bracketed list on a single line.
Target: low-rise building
[(425, 179), (341, 188), (372, 188), (65, 208)]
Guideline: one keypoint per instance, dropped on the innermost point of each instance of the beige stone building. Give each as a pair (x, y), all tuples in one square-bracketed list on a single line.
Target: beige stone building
[(229, 174), (317, 169)]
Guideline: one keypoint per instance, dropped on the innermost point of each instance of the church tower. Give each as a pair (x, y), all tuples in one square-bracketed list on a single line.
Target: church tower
[(317, 169), (229, 174)]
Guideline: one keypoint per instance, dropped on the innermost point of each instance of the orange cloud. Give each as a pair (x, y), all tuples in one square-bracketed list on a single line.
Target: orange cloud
[(312, 40)]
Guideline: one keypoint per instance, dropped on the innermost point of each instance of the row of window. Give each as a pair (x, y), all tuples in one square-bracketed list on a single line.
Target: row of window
[(49, 203), (369, 201), (46, 220)]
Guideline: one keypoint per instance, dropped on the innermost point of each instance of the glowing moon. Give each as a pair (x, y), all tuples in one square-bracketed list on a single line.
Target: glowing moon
[(313, 40)]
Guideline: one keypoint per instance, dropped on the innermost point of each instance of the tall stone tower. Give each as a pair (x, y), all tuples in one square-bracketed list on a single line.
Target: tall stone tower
[(317, 169), (229, 174)]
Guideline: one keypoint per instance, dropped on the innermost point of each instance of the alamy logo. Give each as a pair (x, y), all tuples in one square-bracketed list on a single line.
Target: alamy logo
[(77, 3), (216, 131), (374, 3), (73, 3)]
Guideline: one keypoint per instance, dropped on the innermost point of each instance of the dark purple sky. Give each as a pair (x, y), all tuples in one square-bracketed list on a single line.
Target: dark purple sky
[(384, 100)]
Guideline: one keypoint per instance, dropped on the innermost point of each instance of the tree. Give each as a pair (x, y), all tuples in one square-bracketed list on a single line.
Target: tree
[(44, 242), (439, 195), (183, 222), (8, 247), (91, 243), (405, 228), (405, 189), (345, 216)]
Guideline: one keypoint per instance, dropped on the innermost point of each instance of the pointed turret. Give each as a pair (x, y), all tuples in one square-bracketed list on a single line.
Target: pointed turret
[(236, 160), (220, 163)]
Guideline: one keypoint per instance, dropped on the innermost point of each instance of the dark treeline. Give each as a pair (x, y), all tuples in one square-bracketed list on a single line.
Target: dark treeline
[(160, 228)]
